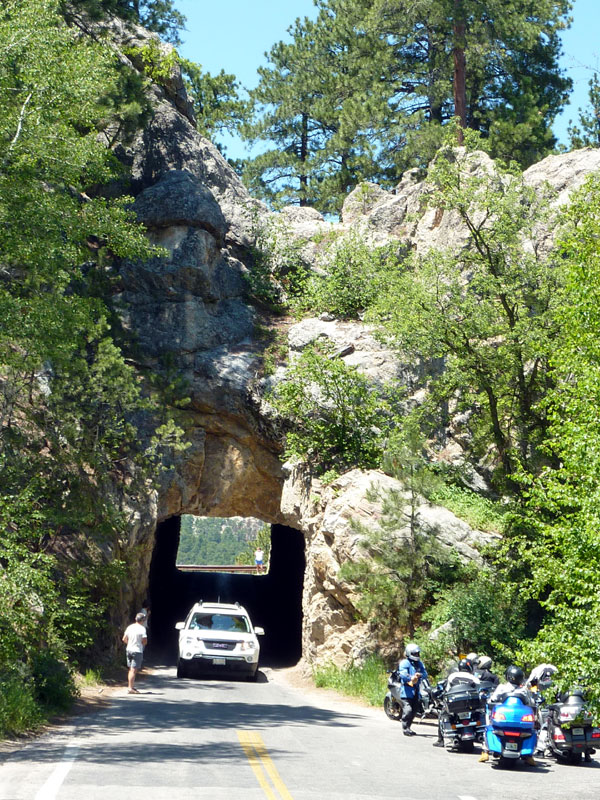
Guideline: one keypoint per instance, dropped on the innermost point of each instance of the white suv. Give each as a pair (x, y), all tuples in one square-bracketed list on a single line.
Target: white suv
[(218, 637)]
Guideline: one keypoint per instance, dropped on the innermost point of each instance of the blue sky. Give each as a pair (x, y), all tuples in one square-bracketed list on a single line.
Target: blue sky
[(235, 34)]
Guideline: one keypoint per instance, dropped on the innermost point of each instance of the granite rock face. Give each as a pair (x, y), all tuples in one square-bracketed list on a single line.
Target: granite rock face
[(189, 310)]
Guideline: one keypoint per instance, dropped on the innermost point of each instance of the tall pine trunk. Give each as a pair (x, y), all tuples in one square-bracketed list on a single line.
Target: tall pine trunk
[(460, 69), (304, 159)]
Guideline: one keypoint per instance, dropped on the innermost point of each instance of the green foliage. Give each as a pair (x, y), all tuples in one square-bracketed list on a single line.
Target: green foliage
[(337, 418), (19, 711), (69, 401), (364, 91), (262, 540), (278, 272), (513, 83), (478, 511), (314, 111), (275, 352), (158, 63), (483, 613), (587, 133), (159, 16), (216, 100), (488, 312), (54, 683), (352, 278), (367, 681), (404, 560), (91, 677), (556, 537)]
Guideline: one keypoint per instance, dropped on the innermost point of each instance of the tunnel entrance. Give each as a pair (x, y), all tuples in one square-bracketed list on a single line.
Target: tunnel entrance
[(274, 600)]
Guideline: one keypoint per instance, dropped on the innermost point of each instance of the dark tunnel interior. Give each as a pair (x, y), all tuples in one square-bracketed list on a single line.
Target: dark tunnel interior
[(273, 600)]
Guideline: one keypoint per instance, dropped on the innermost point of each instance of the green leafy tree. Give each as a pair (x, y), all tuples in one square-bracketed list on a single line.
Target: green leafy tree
[(363, 92), (285, 95), (336, 418), (556, 539), (481, 612), (492, 65), (68, 399), (348, 281), (488, 311), (315, 112)]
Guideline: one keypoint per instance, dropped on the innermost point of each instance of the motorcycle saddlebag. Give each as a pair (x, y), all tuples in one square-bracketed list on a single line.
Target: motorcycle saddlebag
[(459, 699)]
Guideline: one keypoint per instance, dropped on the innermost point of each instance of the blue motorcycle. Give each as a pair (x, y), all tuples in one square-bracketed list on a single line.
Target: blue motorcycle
[(511, 730)]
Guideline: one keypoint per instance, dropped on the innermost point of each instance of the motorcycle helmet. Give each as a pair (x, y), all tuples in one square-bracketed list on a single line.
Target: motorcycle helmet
[(514, 675), (484, 662), (464, 665), (413, 652), (471, 658)]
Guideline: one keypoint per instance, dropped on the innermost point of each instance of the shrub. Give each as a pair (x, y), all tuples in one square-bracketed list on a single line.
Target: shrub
[(337, 418), (278, 272), (487, 614), (55, 687), (353, 278), (19, 711)]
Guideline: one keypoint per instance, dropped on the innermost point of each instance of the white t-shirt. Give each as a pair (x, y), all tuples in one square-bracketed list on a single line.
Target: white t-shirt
[(135, 633)]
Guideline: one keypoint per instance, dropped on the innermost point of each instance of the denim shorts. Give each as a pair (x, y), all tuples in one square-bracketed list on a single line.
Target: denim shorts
[(134, 659)]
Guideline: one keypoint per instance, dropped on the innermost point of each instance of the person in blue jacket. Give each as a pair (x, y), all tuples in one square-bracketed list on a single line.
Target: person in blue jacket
[(411, 672)]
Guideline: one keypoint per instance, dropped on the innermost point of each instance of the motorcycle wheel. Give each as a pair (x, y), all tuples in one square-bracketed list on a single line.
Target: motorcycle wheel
[(392, 709), (575, 758), (508, 763)]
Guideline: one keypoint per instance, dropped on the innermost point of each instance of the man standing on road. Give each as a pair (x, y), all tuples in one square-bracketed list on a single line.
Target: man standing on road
[(411, 671), (135, 638), (258, 558)]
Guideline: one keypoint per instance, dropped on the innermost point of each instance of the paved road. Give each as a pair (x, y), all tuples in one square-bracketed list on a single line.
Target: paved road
[(184, 739)]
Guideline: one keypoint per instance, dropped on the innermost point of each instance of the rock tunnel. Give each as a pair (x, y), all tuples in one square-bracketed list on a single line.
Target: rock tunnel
[(274, 600)]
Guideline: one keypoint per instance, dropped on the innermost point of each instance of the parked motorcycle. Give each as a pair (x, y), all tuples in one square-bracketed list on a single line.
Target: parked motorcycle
[(392, 704), (511, 730), (462, 715), (570, 730)]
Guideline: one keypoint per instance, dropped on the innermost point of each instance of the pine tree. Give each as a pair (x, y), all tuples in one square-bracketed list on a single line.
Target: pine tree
[(492, 64), (362, 93), (587, 133), (317, 110), (159, 16)]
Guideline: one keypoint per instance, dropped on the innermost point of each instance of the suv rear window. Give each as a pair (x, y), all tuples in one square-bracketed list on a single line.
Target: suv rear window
[(220, 622)]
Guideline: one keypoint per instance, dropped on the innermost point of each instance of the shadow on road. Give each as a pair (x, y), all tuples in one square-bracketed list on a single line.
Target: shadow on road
[(156, 713)]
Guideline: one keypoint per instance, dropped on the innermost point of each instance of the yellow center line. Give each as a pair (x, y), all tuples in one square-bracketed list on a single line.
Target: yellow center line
[(256, 752)]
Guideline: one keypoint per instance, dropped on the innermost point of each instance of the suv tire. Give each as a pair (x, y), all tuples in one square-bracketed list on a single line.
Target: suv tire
[(182, 670)]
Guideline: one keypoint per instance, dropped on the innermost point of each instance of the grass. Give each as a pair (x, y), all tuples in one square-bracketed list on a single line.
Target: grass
[(477, 511), (367, 682), (91, 677)]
